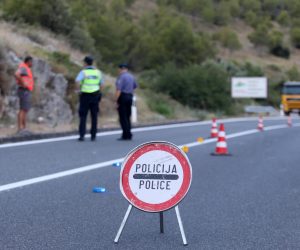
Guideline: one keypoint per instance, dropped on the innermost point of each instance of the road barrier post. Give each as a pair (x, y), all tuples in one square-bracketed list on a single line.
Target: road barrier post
[(134, 118)]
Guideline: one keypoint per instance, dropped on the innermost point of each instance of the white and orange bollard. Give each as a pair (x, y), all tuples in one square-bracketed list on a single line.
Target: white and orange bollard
[(221, 147), (214, 128), (260, 125), (289, 121)]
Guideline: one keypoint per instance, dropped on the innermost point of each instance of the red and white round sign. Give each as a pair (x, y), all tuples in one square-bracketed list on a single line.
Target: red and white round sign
[(155, 176)]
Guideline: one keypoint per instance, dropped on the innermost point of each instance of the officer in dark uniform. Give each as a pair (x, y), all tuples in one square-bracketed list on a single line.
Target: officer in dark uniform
[(90, 80), (125, 86)]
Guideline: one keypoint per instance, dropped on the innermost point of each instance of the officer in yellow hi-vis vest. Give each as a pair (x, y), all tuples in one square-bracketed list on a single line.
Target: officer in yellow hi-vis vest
[(90, 80)]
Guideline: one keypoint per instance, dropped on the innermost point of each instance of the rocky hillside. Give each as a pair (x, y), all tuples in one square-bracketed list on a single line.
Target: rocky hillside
[(49, 104), (55, 101)]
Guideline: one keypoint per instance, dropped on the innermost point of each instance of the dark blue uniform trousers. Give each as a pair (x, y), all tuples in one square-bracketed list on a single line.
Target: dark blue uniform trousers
[(88, 102), (124, 109)]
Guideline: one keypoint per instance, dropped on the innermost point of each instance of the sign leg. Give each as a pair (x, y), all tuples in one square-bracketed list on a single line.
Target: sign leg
[(123, 224), (181, 226), (161, 222)]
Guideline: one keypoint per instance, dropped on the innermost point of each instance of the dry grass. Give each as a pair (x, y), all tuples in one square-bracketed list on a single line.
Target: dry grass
[(140, 7), (249, 53), (18, 39)]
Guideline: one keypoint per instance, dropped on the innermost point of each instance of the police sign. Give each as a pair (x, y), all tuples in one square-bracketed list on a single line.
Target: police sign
[(155, 176)]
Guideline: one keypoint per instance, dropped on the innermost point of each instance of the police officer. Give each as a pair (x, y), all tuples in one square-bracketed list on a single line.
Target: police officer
[(90, 80), (125, 86)]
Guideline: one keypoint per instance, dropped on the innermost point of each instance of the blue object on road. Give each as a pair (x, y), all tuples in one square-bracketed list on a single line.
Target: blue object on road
[(117, 164), (99, 189)]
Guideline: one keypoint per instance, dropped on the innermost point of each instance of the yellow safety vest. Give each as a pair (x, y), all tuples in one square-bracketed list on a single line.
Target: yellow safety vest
[(91, 82)]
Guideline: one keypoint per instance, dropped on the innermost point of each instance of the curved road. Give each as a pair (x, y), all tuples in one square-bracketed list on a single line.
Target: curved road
[(250, 200)]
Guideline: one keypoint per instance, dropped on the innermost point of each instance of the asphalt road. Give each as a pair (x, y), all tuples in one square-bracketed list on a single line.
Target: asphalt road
[(250, 200)]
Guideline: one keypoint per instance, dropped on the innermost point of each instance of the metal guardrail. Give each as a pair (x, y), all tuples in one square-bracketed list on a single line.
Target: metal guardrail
[(260, 109)]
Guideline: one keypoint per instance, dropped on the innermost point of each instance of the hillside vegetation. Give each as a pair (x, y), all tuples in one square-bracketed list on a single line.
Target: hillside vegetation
[(186, 49)]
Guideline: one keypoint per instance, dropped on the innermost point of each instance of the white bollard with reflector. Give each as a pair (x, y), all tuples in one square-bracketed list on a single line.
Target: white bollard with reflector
[(134, 111), (281, 113)]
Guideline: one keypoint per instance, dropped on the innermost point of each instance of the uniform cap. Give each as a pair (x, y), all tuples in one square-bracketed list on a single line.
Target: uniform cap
[(88, 60), (123, 66)]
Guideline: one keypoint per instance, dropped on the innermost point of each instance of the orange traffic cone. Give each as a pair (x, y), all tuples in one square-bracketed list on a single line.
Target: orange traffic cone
[(214, 129), (260, 125), (221, 148), (289, 121)]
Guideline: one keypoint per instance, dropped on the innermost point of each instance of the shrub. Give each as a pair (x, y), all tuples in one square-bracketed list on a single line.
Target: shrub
[(250, 18), (228, 39), (223, 14), (60, 57), (252, 70), (159, 105), (234, 7), (54, 15), (276, 46), (6, 72), (295, 22), (198, 86), (208, 14), (293, 74), (295, 37), (253, 5), (275, 39), (280, 52), (61, 63), (284, 18), (259, 37), (81, 39), (174, 40), (35, 37)]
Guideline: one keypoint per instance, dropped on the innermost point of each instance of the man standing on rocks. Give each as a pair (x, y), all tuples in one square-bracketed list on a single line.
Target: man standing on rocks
[(90, 81), (25, 81), (125, 86)]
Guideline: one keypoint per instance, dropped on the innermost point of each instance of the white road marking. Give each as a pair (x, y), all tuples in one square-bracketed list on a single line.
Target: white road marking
[(109, 163), (189, 124), (58, 175)]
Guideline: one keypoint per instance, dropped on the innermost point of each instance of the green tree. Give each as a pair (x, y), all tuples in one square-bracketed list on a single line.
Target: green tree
[(234, 7), (284, 18), (250, 18), (293, 74), (272, 7), (275, 39), (166, 37), (228, 39), (295, 37), (260, 36), (223, 13), (293, 7), (205, 86), (208, 13), (250, 5), (54, 15)]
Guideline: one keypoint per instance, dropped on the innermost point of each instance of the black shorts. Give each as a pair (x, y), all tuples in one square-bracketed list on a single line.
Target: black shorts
[(25, 98)]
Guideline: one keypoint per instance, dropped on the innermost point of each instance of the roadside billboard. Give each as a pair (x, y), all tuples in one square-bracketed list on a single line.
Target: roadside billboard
[(249, 87)]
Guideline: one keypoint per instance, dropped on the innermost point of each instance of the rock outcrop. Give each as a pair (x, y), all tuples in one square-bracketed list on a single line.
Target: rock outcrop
[(48, 104)]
